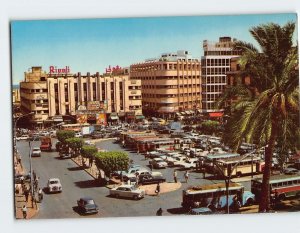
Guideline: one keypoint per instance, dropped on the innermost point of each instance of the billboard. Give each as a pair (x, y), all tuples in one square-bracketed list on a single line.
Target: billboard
[(81, 118), (101, 119), (93, 105)]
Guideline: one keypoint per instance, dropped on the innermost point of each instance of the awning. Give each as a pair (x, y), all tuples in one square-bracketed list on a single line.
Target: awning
[(121, 114), (216, 114), (178, 114), (182, 113), (114, 117), (187, 112), (139, 117)]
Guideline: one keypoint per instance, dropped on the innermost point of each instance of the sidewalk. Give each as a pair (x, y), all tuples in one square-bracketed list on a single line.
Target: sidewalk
[(32, 210)]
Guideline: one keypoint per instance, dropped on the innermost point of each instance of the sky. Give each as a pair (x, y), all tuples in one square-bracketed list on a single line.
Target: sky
[(91, 45)]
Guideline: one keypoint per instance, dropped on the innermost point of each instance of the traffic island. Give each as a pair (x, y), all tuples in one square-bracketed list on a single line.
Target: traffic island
[(164, 188)]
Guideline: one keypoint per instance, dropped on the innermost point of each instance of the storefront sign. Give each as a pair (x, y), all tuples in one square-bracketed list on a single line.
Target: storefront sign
[(55, 70), (93, 105)]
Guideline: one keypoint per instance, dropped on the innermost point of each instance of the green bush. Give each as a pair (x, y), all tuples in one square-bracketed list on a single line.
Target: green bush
[(111, 161)]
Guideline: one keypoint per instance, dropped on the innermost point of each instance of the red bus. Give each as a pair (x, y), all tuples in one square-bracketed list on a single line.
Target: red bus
[(281, 187)]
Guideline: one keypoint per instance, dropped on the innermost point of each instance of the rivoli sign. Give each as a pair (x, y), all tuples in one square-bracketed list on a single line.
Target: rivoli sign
[(55, 70)]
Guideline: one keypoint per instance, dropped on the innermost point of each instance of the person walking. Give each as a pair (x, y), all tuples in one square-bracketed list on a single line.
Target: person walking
[(159, 212), (186, 176), (34, 175), (157, 190), (151, 166), (26, 193), (175, 176), (40, 195), (24, 211)]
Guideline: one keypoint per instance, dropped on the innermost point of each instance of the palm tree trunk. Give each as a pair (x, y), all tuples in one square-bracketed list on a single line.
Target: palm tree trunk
[(264, 204)]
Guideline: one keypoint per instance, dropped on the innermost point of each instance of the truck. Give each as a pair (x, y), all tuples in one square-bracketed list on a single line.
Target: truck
[(46, 144)]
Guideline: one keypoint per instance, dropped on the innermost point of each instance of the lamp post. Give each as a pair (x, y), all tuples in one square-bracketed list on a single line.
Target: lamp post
[(227, 177)]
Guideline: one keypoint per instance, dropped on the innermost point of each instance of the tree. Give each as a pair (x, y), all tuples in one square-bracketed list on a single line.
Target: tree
[(62, 136), (111, 161), (88, 152), (210, 127), (75, 144), (268, 110)]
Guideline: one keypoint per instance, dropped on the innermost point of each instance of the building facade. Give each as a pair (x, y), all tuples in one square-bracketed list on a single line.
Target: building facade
[(170, 84), (62, 94), (215, 63)]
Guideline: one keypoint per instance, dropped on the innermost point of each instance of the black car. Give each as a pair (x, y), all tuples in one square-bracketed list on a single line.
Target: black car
[(149, 179), (86, 205)]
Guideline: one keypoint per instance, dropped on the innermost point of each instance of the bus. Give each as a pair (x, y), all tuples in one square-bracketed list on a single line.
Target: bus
[(214, 196), (210, 159), (236, 166), (281, 187)]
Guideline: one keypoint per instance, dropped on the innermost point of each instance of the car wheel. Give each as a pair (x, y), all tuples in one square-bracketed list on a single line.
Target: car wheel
[(250, 202), (117, 196), (135, 197)]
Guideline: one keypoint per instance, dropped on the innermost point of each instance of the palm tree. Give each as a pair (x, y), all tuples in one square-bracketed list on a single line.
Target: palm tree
[(268, 109)]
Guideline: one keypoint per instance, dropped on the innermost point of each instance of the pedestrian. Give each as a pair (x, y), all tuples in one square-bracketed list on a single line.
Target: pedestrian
[(90, 161), (157, 190), (159, 212), (151, 166), (186, 176), (175, 176), (40, 195), (22, 180), (24, 211), (34, 175), (26, 193)]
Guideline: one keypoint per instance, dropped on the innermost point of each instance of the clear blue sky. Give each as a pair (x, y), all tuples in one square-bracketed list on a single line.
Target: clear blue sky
[(90, 45)]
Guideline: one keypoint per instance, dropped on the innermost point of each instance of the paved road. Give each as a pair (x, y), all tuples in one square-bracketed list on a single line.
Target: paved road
[(77, 183)]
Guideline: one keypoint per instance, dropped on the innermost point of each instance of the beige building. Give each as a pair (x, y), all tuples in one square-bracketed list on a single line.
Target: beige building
[(216, 63), (170, 84), (49, 95)]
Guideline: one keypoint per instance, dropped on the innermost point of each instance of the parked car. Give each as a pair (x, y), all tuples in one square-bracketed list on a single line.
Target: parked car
[(179, 160), (290, 171), (128, 191), (64, 155), (87, 205), (151, 179), (89, 143), (158, 163), (78, 135), (54, 185), (36, 152), (133, 175)]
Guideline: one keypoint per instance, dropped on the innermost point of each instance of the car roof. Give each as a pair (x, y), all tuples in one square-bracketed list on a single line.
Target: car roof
[(126, 186), (54, 179), (86, 198)]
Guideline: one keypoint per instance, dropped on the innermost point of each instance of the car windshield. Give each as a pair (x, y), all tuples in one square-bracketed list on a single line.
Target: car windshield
[(90, 202), (36, 149), (53, 182)]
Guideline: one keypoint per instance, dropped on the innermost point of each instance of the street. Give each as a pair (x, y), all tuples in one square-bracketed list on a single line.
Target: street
[(77, 183)]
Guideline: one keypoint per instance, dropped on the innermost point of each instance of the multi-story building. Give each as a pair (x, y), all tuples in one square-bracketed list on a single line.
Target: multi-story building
[(215, 63), (49, 95), (170, 84)]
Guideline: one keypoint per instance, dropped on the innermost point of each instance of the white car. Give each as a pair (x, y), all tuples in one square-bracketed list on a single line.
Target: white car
[(90, 143), (54, 185), (128, 191), (158, 163), (36, 152), (78, 135), (179, 161)]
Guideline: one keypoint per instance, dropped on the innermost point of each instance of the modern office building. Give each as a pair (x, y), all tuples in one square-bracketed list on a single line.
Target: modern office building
[(170, 84), (215, 63), (54, 95)]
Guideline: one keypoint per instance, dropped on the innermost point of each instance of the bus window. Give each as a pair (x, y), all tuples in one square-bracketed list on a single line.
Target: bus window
[(290, 182)]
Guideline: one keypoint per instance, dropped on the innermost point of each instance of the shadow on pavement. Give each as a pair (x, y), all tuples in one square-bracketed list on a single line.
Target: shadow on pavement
[(178, 210), (89, 184), (75, 168)]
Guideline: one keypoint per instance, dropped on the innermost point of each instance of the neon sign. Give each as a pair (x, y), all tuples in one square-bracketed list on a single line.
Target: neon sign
[(112, 69), (55, 70)]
